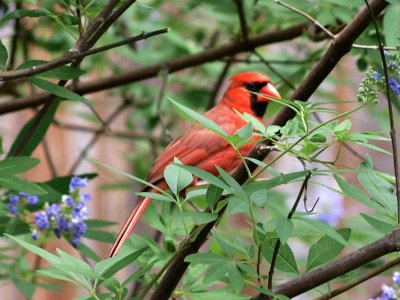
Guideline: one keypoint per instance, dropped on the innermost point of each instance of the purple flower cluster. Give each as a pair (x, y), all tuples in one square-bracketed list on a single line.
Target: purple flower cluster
[(388, 292), (67, 218), (18, 202), (394, 73)]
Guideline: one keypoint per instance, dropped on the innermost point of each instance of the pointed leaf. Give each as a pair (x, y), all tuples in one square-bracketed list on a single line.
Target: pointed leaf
[(326, 249)]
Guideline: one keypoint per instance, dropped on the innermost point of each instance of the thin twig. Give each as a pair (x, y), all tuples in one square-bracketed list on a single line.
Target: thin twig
[(71, 56), (160, 98), (307, 16), (96, 136), (50, 161), (112, 133), (360, 279), (242, 19), (390, 107), (326, 30), (270, 61), (78, 17), (273, 70), (218, 84), (290, 215), (18, 31)]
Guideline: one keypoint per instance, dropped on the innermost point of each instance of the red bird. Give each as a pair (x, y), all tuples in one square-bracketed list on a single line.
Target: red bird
[(204, 149)]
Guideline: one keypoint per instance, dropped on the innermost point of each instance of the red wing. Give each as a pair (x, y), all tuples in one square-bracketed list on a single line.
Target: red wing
[(196, 144)]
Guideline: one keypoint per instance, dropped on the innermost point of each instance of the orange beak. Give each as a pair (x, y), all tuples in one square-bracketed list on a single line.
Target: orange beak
[(270, 91)]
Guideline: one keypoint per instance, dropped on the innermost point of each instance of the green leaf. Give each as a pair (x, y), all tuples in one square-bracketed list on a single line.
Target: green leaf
[(95, 223), (16, 165), (205, 258), (326, 249), (273, 182), (56, 274), (101, 236), (51, 258), (379, 189), (236, 188), (379, 225), (342, 128), (212, 195), (255, 123), (200, 217), (215, 273), (61, 72), (391, 24), (285, 261), (86, 251), (193, 116), (323, 228), (284, 229), (21, 185), (3, 55), (259, 197), (25, 287), (200, 173), (74, 265), (235, 278), (136, 275), (20, 13), (36, 138), (156, 196), (130, 176), (177, 178), (57, 90), (112, 265), (355, 193)]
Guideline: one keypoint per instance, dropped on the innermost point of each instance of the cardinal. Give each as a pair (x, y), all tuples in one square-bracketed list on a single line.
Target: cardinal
[(248, 93)]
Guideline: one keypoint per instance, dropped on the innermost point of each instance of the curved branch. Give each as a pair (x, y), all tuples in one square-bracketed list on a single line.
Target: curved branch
[(387, 244), (173, 65), (74, 55), (339, 47)]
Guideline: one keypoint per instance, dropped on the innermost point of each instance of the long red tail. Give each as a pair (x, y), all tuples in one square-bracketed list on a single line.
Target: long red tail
[(129, 225)]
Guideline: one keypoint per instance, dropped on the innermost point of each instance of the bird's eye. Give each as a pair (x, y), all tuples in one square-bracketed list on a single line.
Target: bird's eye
[(250, 86)]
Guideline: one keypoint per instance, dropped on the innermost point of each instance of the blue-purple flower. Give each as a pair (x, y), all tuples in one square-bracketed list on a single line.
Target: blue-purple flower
[(77, 182), (18, 202), (394, 85), (42, 221), (388, 293), (68, 217)]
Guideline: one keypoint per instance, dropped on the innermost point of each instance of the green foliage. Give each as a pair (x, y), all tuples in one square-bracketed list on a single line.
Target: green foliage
[(238, 257)]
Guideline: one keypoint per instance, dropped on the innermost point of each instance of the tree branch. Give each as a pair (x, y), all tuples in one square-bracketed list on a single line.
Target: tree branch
[(389, 243), (340, 46), (72, 56), (361, 279), (173, 65)]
